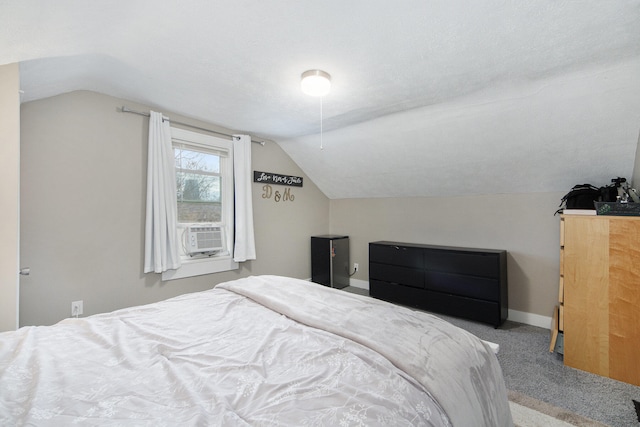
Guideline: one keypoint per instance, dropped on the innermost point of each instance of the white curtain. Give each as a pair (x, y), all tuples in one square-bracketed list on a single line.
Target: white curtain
[(161, 234), (245, 246)]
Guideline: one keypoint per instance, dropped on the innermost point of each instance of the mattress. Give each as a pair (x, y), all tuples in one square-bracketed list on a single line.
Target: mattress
[(259, 351)]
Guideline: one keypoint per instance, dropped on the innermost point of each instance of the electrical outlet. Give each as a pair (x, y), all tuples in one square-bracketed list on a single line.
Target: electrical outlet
[(355, 267), (76, 308)]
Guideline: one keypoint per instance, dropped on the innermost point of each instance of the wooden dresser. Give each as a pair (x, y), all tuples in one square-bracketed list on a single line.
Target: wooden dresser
[(600, 295)]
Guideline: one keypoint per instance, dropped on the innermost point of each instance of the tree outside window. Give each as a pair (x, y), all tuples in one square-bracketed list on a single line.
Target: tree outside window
[(198, 184)]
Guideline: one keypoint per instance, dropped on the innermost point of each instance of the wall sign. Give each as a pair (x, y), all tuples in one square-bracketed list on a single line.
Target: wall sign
[(286, 196), (275, 178)]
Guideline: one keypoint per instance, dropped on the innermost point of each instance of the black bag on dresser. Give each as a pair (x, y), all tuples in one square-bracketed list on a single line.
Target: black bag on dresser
[(581, 196)]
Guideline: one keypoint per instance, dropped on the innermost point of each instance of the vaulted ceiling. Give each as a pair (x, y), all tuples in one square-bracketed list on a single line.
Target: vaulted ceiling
[(429, 98)]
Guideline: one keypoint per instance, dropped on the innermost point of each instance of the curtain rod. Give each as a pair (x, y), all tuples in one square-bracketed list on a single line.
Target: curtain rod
[(140, 113)]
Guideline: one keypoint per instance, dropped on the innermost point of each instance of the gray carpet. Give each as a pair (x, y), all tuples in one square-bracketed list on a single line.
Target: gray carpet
[(529, 368)]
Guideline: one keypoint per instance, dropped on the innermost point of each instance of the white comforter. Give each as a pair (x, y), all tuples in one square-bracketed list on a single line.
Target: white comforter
[(263, 350)]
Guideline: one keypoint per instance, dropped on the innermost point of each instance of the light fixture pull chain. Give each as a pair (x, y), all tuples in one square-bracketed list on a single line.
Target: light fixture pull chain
[(321, 147)]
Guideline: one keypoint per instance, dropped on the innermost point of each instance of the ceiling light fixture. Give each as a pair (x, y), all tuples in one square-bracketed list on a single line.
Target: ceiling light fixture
[(315, 83)]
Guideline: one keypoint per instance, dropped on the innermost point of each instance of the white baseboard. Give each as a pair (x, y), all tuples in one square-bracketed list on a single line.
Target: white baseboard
[(514, 315), (357, 283), (530, 319)]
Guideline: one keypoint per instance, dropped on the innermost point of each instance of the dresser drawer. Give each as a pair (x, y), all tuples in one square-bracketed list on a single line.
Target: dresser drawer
[(472, 264), (468, 286), (396, 255), (396, 275), (438, 302)]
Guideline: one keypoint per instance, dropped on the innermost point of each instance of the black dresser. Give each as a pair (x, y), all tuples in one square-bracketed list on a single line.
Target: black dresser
[(461, 282)]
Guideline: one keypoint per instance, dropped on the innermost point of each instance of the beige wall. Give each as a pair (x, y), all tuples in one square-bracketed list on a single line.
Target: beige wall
[(83, 171), (83, 184), (522, 224), (9, 194), (635, 179)]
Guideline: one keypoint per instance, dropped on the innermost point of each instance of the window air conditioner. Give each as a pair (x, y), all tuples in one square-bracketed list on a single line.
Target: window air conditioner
[(203, 238)]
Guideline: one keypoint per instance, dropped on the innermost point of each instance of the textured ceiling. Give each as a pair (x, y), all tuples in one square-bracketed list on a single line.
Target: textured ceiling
[(445, 97)]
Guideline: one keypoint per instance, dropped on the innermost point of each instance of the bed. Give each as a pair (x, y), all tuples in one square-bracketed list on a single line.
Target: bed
[(259, 351)]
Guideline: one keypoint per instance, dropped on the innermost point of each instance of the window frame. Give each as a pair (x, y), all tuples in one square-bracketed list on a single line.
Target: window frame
[(199, 265)]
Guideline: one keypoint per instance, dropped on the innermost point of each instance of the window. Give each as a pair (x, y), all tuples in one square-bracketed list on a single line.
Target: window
[(198, 182), (204, 184)]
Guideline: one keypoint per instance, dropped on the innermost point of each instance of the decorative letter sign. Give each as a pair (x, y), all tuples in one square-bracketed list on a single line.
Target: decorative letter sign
[(274, 178), (286, 196)]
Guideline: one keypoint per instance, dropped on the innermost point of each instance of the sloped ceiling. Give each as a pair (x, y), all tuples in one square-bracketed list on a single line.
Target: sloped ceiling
[(429, 98)]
